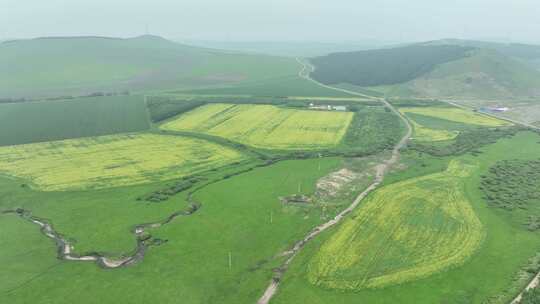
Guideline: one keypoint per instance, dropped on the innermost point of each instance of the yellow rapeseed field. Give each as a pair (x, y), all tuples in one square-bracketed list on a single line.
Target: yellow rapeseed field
[(266, 126), (423, 133), (405, 231), (109, 161), (457, 115)]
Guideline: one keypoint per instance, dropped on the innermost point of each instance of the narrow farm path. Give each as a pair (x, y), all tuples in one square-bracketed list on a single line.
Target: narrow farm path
[(381, 170), (533, 284)]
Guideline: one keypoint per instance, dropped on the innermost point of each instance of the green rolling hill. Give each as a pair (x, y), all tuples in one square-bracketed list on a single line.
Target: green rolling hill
[(528, 53), (81, 65), (485, 74), (384, 66), (446, 68)]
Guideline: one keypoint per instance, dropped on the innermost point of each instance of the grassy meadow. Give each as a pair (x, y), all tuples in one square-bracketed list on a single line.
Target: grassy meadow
[(111, 161), (241, 216), (493, 273), (28, 122), (266, 126)]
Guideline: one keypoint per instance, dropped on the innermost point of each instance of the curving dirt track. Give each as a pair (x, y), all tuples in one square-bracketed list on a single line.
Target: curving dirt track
[(381, 170)]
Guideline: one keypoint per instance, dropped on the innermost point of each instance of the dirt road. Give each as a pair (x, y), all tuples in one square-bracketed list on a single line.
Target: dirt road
[(533, 284), (304, 73), (381, 170)]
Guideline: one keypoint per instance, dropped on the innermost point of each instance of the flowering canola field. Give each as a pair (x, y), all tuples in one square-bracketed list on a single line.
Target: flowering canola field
[(110, 161), (424, 133), (266, 126), (405, 231), (457, 115)]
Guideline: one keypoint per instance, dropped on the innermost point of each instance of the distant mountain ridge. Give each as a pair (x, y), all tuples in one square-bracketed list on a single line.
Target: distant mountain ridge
[(522, 51), (290, 48), (61, 38), (52, 66)]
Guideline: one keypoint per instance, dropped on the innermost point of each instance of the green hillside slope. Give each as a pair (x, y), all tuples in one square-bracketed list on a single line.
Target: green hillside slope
[(484, 74), (467, 70), (384, 66), (82, 65), (278, 87), (529, 53)]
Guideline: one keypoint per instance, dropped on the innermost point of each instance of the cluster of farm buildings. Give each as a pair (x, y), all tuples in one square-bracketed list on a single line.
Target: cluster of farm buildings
[(313, 106), (495, 109)]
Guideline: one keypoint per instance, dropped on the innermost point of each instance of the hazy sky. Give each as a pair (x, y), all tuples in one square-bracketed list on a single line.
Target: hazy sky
[(271, 20)]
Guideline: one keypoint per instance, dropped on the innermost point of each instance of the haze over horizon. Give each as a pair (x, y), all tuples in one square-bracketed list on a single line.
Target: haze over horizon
[(276, 20)]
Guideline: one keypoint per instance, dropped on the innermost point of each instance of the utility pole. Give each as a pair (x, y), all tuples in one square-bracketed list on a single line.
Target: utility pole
[(230, 260)]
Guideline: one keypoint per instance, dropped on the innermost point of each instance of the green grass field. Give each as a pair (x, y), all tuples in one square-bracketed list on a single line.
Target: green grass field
[(435, 123), (489, 275), (457, 115), (235, 218), (283, 86), (15, 232), (439, 124), (406, 231), (192, 267), (266, 126), (111, 161), (29, 122)]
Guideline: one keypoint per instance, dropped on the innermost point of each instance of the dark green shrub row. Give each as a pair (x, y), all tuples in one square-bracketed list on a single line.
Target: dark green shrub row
[(164, 194), (467, 141), (531, 297), (372, 131), (162, 108), (512, 184)]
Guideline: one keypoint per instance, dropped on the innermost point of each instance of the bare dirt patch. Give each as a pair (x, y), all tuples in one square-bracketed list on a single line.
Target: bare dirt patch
[(331, 184)]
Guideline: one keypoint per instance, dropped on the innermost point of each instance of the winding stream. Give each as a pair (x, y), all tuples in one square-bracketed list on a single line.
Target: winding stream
[(65, 248)]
